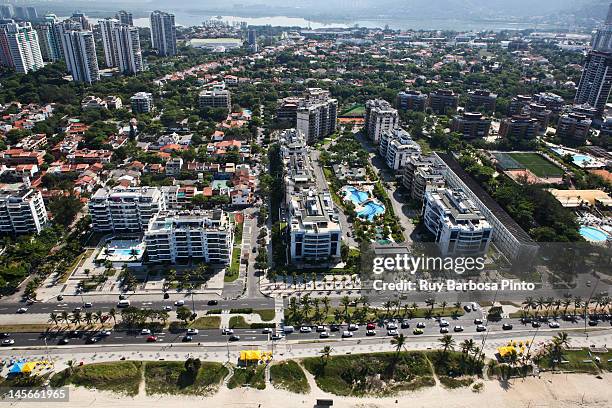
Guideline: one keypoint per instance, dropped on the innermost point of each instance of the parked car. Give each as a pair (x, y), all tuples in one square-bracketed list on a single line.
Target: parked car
[(187, 338), (227, 331), (323, 335), (305, 329), (167, 308), (458, 329), (391, 326), (4, 335), (420, 325), (535, 324), (234, 337), (593, 322), (392, 332), (353, 327), (192, 332), (212, 302), (507, 326), (444, 323), (481, 328), (443, 330), (370, 333), (405, 324), (370, 326), (477, 321), (553, 325), (151, 339), (179, 302), (417, 331), (334, 328), (321, 329), (105, 333), (347, 333), (88, 305), (145, 332)]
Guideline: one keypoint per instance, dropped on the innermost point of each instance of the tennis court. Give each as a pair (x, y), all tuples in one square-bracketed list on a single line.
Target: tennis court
[(538, 165)]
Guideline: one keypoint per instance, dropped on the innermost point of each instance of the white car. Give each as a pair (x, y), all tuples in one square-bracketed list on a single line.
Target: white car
[(392, 332), (353, 327), (8, 342), (88, 304), (227, 331), (392, 326), (105, 333), (553, 325), (305, 329), (179, 303), (22, 310), (321, 329), (192, 332), (145, 332), (167, 308), (323, 335), (458, 328), (266, 330), (444, 323), (347, 333)]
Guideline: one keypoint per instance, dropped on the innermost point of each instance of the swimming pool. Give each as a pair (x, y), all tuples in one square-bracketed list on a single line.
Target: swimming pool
[(357, 196), (593, 234), (579, 159), (128, 251), (371, 210)]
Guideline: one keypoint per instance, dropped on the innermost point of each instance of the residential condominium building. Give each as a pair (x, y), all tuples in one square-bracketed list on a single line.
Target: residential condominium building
[(455, 221), (443, 101), (109, 44), (314, 229), (129, 53), (79, 49), (551, 101), (596, 81), (396, 146), (517, 104), (508, 236), (379, 116), (125, 210), (49, 39), (163, 33), (471, 125), (22, 211), (317, 119), (419, 172), (410, 100), (125, 17), (540, 113), (573, 126), (519, 127), (181, 237), (217, 97), (481, 101), (19, 47), (142, 102)]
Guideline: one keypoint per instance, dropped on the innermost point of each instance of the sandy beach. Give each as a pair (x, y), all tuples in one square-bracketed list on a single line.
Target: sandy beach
[(550, 390)]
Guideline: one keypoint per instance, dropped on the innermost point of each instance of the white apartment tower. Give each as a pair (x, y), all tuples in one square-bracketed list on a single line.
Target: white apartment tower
[(125, 210), (20, 47), (125, 17), (109, 43), (129, 53), (22, 212), (380, 116), (79, 49), (178, 237), (163, 33)]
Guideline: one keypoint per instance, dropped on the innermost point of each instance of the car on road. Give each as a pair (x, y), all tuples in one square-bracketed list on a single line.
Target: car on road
[(4, 335), (347, 333), (481, 328), (506, 326), (123, 303), (151, 339), (93, 340), (420, 325), (212, 302), (444, 323), (323, 335), (353, 327), (63, 341), (458, 329), (227, 331), (105, 333), (392, 332), (179, 302), (77, 309), (167, 308), (417, 332), (443, 330), (192, 332), (8, 342), (145, 332), (370, 332), (305, 329), (59, 298), (553, 325), (593, 322), (88, 305), (535, 324), (467, 308), (276, 337), (234, 337), (187, 338), (477, 321), (22, 310), (266, 330)]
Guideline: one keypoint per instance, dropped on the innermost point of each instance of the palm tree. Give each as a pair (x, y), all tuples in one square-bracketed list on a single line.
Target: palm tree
[(98, 316), (88, 317), (345, 301), (325, 301), (77, 317), (466, 346), (447, 342), (399, 342), (53, 317), (65, 317), (566, 303), (528, 303), (325, 354), (430, 302), (443, 305), (562, 338), (457, 305), (387, 305), (70, 364)]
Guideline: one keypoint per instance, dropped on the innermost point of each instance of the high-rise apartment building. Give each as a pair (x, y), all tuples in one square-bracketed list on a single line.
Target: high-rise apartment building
[(107, 27), (602, 40), (519, 127), (183, 236), (396, 146), (481, 101), (217, 97), (125, 17), (129, 53), (163, 33), (20, 48), (596, 81), (471, 125), (79, 48), (443, 101), (379, 116), (22, 211), (49, 39), (317, 119), (125, 210), (573, 126), (410, 100), (142, 102)]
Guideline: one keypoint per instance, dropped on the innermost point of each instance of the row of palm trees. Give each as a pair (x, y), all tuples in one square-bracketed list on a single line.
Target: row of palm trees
[(552, 306), (78, 317), (316, 310)]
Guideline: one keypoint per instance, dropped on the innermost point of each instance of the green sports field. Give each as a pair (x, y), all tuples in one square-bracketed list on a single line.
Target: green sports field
[(354, 111), (537, 164)]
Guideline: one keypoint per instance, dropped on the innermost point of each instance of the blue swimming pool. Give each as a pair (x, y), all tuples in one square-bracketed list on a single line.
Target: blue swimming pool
[(127, 251), (357, 196), (578, 159), (371, 210), (593, 234)]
